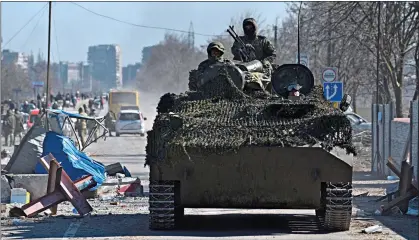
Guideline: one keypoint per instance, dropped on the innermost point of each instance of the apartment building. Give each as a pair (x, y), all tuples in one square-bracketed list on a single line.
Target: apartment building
[(129, 74), (105, 65), (19, 59)]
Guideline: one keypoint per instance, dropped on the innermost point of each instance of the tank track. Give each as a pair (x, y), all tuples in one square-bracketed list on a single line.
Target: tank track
[(336, 211), (164, 205)]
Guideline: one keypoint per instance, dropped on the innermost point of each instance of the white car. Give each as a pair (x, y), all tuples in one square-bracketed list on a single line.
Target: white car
[(130, 122)]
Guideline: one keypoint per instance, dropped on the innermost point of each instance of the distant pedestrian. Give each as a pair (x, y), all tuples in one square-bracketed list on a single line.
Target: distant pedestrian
[(19, 128), (9, 125), (81, 127)]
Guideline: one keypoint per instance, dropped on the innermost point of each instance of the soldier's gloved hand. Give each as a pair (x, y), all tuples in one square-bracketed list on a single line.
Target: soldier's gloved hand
[(249, 46)]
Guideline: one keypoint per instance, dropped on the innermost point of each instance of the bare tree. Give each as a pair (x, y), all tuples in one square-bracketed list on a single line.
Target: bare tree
[(14, 79), (167, 69), (237, 23), (344, 34)]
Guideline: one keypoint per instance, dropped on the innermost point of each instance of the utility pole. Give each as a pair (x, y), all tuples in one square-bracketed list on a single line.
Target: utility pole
[(49, 55), (191, 36), (1, 58), (276, 35), (48, 60)]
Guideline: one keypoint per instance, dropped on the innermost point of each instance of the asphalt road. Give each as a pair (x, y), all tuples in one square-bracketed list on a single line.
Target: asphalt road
[(131, 221), (129, 150)]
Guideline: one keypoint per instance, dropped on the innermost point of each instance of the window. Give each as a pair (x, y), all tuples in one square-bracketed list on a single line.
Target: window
[(129, 117), (124, 98)]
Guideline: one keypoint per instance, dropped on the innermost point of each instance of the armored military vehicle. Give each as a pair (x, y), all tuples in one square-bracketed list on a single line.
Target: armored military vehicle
[(227, 146)]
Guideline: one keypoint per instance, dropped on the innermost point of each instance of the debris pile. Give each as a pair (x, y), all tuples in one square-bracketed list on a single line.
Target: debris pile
[(220, 117), (363, 142)]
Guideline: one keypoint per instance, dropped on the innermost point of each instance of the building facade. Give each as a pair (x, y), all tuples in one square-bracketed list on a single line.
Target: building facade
[(71, 72), (19, 59), (105, 65), (129, 75), (146, 53)]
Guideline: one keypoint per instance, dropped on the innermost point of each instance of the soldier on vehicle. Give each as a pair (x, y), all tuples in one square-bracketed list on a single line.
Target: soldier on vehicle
[(81, 127), (215, 52), (19, 126), (260, 45)]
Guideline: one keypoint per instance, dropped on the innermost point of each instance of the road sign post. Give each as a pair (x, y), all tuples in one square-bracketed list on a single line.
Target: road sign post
[(37, 84), (330, 74), (333, 91)]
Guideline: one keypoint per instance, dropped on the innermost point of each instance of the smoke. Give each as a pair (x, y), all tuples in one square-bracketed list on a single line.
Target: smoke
[(148, 105), (166, 69)]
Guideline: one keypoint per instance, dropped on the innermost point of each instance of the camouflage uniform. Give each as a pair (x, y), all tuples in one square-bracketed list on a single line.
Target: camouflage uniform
[(263, 51), (19, 126), (9, 126), (213, 60), (263, 48)]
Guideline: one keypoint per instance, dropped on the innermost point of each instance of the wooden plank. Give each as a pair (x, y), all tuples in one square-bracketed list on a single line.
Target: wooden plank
[(388, 206), (405, 184), (390, 164)]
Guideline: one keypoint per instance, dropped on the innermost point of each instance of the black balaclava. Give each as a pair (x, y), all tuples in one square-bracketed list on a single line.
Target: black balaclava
[(252, 34)]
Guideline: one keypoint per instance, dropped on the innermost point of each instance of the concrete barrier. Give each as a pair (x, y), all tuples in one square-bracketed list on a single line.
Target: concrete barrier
[(390, 136), (35, 184), (5, 190)]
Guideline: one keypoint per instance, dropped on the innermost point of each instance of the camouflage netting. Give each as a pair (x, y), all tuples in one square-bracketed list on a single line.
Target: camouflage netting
[(219, 118)]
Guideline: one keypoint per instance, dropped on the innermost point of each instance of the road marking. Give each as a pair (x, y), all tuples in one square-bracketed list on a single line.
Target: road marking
[(72, 229)]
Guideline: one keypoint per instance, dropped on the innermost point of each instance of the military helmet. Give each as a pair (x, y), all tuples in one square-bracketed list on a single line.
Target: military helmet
[(217, 45)]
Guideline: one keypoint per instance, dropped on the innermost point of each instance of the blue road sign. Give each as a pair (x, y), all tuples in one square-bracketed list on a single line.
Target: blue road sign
[(333, 91), (37, 84)]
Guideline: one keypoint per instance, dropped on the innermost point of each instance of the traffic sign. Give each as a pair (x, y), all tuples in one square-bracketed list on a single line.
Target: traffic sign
[(303, 59), (333, 91), (37, 84), (330, 74)]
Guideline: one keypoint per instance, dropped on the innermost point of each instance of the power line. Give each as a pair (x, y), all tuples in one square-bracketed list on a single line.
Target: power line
[(26, 24), (34, 28), (143, 26)]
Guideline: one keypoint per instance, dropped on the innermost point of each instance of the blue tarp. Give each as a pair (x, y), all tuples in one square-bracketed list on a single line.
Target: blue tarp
[(74, 162)]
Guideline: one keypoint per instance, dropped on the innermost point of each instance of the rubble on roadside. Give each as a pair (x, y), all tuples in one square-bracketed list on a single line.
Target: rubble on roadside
[(76, 164)]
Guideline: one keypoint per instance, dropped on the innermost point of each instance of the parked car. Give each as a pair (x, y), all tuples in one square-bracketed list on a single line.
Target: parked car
[(358, 123), (130, 122)]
